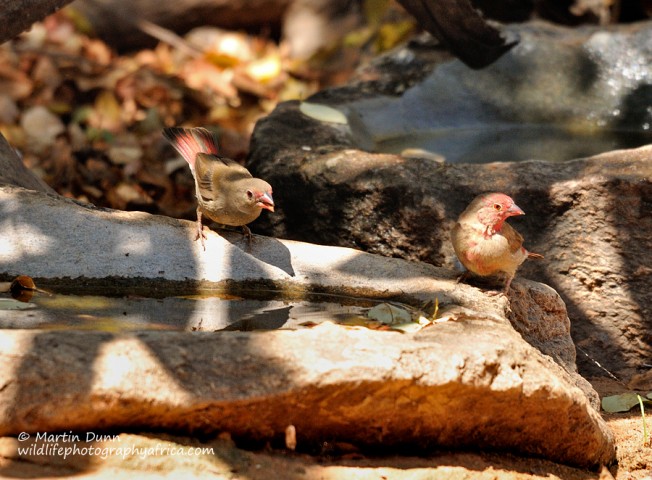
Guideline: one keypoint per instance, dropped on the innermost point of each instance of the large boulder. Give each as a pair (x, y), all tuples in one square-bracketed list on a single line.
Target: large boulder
[(445, 386), (473, 383), (590, 217)]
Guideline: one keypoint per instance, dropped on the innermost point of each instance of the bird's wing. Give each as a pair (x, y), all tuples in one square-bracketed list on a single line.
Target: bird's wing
[(213, 173), (514, 239)]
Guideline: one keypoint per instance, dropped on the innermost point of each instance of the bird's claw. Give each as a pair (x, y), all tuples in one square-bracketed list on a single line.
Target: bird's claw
[(495, 293), (200, 235)]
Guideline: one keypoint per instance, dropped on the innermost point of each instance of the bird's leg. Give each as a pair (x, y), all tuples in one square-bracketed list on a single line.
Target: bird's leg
[(247, 234), (508, 283), (505, 289), (463, 277), (200, 230)]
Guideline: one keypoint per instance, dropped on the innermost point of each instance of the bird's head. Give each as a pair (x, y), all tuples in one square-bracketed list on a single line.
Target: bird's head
[(259, 195), (494, 208)]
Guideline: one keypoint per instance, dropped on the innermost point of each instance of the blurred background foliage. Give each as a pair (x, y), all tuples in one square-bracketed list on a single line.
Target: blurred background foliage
[(86, 115)]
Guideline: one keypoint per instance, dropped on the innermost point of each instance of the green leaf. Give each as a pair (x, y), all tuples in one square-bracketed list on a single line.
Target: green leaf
[(619, 403), (11, 304), (389, 314)]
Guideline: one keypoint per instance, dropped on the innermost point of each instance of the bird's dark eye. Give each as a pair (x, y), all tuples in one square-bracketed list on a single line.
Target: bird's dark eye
[(250, 194), (498, 207)]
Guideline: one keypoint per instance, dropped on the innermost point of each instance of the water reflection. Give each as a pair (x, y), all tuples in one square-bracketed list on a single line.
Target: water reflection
[(514, 143), (186, 313)]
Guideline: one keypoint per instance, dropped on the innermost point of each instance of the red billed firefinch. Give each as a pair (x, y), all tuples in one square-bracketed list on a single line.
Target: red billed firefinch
[(226, 192), (484, 243)]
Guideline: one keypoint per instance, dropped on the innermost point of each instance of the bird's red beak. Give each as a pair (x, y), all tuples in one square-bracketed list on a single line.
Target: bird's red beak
[(265, 200), (514, 210)]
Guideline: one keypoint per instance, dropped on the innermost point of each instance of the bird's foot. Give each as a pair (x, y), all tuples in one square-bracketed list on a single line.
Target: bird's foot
[(200, 235), (504, 291), (200, 230), (246, 232), (463, 277), (479, 283), (508, 283), (496, 293)]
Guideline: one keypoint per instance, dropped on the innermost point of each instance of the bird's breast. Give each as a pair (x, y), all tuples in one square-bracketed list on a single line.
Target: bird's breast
[(492, 254), (228, 214)]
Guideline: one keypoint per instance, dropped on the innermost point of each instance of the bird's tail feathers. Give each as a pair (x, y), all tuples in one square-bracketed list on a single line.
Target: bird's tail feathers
[(191, 141), (534, 255)]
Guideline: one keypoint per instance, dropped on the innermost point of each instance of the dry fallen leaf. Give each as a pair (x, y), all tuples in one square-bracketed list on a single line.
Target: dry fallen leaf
[(23, 282), (42, 127), (323, 113)]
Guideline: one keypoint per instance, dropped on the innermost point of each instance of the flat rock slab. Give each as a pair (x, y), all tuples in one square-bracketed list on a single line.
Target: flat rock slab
[(459, 384), (470, 382)]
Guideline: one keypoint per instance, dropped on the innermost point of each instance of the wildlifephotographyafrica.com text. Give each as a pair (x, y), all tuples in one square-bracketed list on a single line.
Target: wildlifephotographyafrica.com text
[(68, 444)]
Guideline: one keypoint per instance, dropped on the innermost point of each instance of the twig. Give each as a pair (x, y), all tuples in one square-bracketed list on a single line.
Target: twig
[(601, 367), (168, 36)]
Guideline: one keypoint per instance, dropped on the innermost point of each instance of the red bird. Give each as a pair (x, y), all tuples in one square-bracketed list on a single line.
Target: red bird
[(484, 243), (226, 192)]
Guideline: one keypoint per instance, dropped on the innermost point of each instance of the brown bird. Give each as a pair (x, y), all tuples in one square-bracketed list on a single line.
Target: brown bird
[(484, 243), (226, 192)]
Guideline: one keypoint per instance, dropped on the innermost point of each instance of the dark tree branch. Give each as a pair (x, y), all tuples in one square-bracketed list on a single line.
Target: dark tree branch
[(460, 28), (16, 16)]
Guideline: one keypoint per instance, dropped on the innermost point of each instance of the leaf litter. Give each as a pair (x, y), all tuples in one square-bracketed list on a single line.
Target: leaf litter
[(88, 121)]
